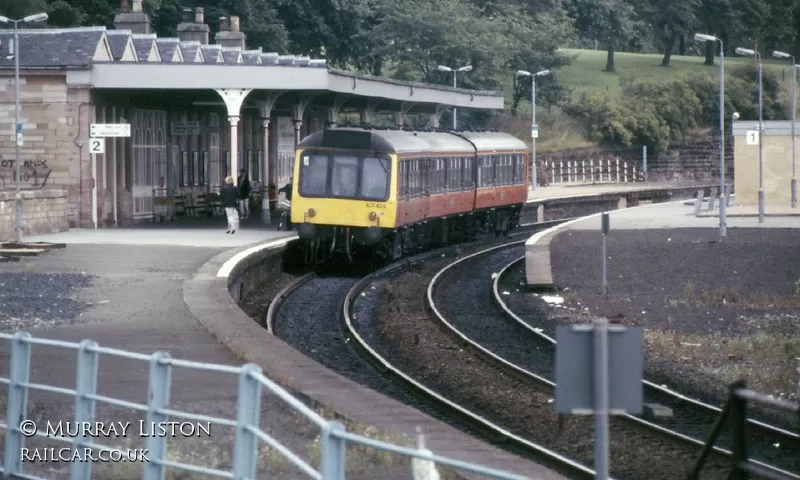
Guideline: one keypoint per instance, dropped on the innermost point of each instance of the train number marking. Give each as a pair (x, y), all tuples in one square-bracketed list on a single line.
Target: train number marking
[(376, 205)]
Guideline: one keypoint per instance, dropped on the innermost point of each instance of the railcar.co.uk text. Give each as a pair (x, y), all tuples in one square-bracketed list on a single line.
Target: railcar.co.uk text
[(84, 453)]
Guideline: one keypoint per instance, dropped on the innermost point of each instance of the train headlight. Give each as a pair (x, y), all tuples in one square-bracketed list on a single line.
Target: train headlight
[(312, 213), (373, 216)]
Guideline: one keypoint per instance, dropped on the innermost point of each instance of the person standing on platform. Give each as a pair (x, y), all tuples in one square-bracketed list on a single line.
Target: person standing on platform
[(230, 199), (244, 193)]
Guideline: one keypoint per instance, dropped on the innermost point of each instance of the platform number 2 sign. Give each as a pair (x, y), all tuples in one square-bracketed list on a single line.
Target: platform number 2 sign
[(752, 137), (97, 145)]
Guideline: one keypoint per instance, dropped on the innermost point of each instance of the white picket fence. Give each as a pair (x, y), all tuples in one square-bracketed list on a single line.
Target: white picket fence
[(604, 170)]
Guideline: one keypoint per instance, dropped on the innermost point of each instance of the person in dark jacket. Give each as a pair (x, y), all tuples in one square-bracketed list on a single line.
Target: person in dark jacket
[(287, 189), (244, 193), (229, 195)]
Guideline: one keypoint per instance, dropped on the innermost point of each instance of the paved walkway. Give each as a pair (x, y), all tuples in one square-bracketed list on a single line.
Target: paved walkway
[(134, 302)]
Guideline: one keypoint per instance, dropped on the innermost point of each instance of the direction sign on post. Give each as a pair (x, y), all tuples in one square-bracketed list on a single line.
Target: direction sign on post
[(534, 131), (752, 137), (110, 130), (97, 145)]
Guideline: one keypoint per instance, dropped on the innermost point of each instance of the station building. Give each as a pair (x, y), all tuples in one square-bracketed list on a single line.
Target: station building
[(197, 112)]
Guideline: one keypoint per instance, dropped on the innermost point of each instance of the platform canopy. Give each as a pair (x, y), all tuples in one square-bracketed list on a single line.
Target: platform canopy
[(122, 60)]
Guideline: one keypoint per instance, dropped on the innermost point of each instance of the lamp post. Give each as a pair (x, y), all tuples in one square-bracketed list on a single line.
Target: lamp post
[(702, 37), (466, 68), (524, 73), (794, 78), (39, 17), (747, 51)]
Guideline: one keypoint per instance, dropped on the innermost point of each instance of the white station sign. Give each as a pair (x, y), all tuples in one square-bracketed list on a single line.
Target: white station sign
[(97, 130)]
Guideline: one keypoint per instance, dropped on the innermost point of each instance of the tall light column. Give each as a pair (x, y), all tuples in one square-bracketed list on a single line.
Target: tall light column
[(723, 224), (524, 73), (794, 78), (465, 68), (747, 51), (39, 17)]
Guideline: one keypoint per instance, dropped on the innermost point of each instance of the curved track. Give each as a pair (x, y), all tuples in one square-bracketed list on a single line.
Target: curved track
[(451, 409), (534, 361)]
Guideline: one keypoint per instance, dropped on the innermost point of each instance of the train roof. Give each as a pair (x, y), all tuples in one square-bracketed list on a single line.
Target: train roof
[(404, 141)]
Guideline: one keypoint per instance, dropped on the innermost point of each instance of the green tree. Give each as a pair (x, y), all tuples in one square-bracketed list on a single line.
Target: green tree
[(611, 22), (670, 22)]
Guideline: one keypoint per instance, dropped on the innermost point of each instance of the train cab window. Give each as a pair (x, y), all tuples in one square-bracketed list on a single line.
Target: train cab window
[(375, 178), (314, 175), (345, 175)]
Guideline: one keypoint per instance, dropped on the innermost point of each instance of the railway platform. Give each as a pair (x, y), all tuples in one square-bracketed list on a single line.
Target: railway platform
[(655, 216)]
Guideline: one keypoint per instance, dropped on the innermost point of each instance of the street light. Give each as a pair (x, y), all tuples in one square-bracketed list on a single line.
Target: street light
[(747, 51), (794, 76), (466, 68), (525, 73), (702, 37), (14, 50)]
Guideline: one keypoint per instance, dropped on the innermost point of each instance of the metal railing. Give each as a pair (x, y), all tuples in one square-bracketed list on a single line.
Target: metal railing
[(736, 409), (248, 433), (602, 170)]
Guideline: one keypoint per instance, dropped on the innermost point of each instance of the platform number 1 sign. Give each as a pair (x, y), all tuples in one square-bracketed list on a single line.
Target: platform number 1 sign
[(97, 145), (752, 137)]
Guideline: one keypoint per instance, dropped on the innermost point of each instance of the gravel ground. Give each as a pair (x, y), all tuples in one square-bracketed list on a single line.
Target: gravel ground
[(712, 312), (465, 298), (31, 300), (414, 343)]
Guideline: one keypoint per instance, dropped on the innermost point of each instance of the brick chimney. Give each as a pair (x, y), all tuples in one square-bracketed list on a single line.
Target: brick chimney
[(132, 17), (193, 29), (229, 34)]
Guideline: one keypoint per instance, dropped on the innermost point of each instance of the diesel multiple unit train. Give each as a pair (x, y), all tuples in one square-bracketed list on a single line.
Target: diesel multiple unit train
[(388, 193)]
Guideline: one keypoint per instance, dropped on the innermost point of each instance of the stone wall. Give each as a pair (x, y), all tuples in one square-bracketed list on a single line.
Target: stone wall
[(696, 160), (55, 120), (43, 211)]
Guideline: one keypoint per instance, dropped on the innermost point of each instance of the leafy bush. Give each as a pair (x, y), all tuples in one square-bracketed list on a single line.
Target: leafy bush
[(656, 114)]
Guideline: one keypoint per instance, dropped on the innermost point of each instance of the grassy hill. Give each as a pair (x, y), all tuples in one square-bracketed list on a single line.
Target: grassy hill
[(585, 75)]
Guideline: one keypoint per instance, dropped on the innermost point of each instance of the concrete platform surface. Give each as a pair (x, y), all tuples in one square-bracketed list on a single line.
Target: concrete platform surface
[(752, 211), (678, 215), (562, 190)]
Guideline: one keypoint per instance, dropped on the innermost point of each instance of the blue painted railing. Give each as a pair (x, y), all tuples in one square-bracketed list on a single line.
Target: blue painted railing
[(333, 435)]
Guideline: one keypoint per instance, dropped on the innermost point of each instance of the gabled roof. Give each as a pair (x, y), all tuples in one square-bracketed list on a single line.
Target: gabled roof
[(169, 49), (122, 46), (146, 47), (192, 53), (232, 55), (67, 47), (251, 57), (212, 54)]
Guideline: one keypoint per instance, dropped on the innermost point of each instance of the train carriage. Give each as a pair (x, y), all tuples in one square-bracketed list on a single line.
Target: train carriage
[(391, 192)]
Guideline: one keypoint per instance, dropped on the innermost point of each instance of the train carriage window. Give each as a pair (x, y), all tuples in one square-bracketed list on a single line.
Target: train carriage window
[(519, 168), (403, 187), (413, 176), (467, 179), (439, 177), (345, 176), (375, 178), (453, 174), (508, 171), (314, 175)]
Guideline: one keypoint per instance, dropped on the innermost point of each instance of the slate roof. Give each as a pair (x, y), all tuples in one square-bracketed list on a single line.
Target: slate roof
[(143, 43), (118, 40), (76, 48), (167, 47)]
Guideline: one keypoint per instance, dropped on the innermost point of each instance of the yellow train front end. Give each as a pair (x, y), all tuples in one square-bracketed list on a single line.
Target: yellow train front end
[(344, 201)]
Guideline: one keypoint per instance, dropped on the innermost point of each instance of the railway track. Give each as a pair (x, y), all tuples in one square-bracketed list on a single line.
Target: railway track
[(336, 301), (532, 357)]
